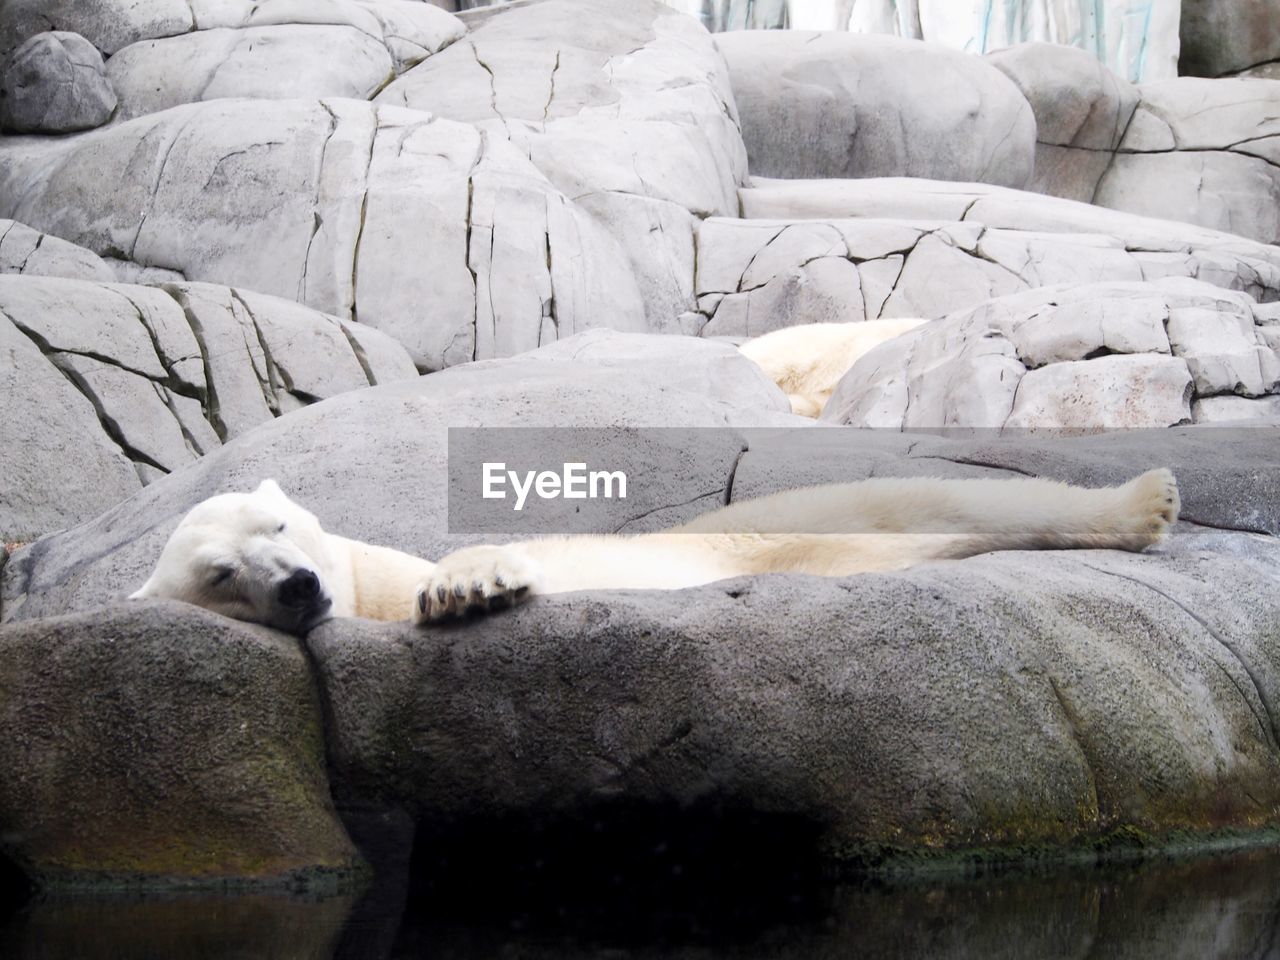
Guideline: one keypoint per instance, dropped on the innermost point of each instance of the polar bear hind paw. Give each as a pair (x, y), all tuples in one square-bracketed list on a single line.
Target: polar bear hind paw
[(472, 581), (1154, 503)]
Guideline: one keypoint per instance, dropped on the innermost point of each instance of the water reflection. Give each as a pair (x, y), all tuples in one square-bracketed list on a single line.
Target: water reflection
[(1226, 907)]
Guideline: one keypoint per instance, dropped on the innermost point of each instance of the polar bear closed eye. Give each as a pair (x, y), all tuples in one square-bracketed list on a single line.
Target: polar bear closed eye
[(252, 556), (261, 557)]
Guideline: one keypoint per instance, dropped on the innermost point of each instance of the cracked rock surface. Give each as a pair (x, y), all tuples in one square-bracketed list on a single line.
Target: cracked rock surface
[(1082, 111), (55, 83), (1118, 356), (852, 105), (1204, 151), (27, 251), (624, 105), (312, 201), (851, 250), (125, 384), (280, 49)]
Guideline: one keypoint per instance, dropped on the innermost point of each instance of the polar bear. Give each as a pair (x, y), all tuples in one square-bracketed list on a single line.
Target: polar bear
[(263, 558), (807, 361)]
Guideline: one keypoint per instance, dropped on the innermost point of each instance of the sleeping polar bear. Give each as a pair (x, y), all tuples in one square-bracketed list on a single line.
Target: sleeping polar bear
[(263, 558), (808, 360)]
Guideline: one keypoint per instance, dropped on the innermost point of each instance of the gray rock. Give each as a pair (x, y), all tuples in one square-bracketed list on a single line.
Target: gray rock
[(1009, 700), (53, 441), (1082, 110), (373, 464), (1227, 36), (278, 49), (1115, 392), (851, 105), (55, 83), (755, 276), (23, 250), (1203, 151), (158, 745), (1084, 357), (127, 383), (1157, 248), (311, 201), (625, 105)]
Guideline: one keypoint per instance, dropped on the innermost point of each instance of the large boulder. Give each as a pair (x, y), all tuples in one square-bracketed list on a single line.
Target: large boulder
[(847, 105), (624, 105), (442, 236), (160, 745), (1005, 701), (55, 83), (278, 49), (1221, 37), (374, 464), (1077, 358), (1082, 111), (1203, 151), (128, 383)]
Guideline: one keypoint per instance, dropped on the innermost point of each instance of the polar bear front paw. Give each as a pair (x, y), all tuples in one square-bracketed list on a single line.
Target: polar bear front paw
[(1152, 505), (474, 580)]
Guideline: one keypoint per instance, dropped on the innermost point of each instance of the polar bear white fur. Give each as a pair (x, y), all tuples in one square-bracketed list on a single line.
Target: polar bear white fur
[(807, 361), (260, 557)]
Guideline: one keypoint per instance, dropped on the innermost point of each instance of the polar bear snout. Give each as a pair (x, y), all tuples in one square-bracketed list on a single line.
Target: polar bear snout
[(299, 590)]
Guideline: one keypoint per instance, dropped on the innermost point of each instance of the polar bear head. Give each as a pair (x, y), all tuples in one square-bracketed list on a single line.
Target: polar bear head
[(253, 556)]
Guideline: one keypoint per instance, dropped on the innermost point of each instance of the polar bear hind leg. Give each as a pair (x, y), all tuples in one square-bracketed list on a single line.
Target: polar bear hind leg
[(835, 530)]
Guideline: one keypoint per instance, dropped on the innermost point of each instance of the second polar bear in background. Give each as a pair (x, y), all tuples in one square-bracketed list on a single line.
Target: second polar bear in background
[(807, 361), (263, 558)]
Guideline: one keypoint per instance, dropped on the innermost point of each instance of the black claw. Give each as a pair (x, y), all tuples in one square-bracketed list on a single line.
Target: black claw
[(441, 593), (459, 591), (500, 580), (422, 602)]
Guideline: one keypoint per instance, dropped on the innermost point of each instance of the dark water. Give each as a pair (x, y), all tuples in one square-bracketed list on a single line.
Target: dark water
[(1226, 906)]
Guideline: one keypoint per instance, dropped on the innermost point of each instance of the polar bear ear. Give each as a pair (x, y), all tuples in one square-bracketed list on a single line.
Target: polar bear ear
[(271, 489)]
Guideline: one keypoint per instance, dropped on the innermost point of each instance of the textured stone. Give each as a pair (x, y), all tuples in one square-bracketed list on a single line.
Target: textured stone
[(844, 105), (1227, 36), (280, 49), (312, 201), (1082, 357), (755, 276), (160, 745), (127, 384), (624, 105), (1160, 248), (1082, 110), (1112, 392), (1203, 151), (1006, 700), (23, 250), (55, 83)]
